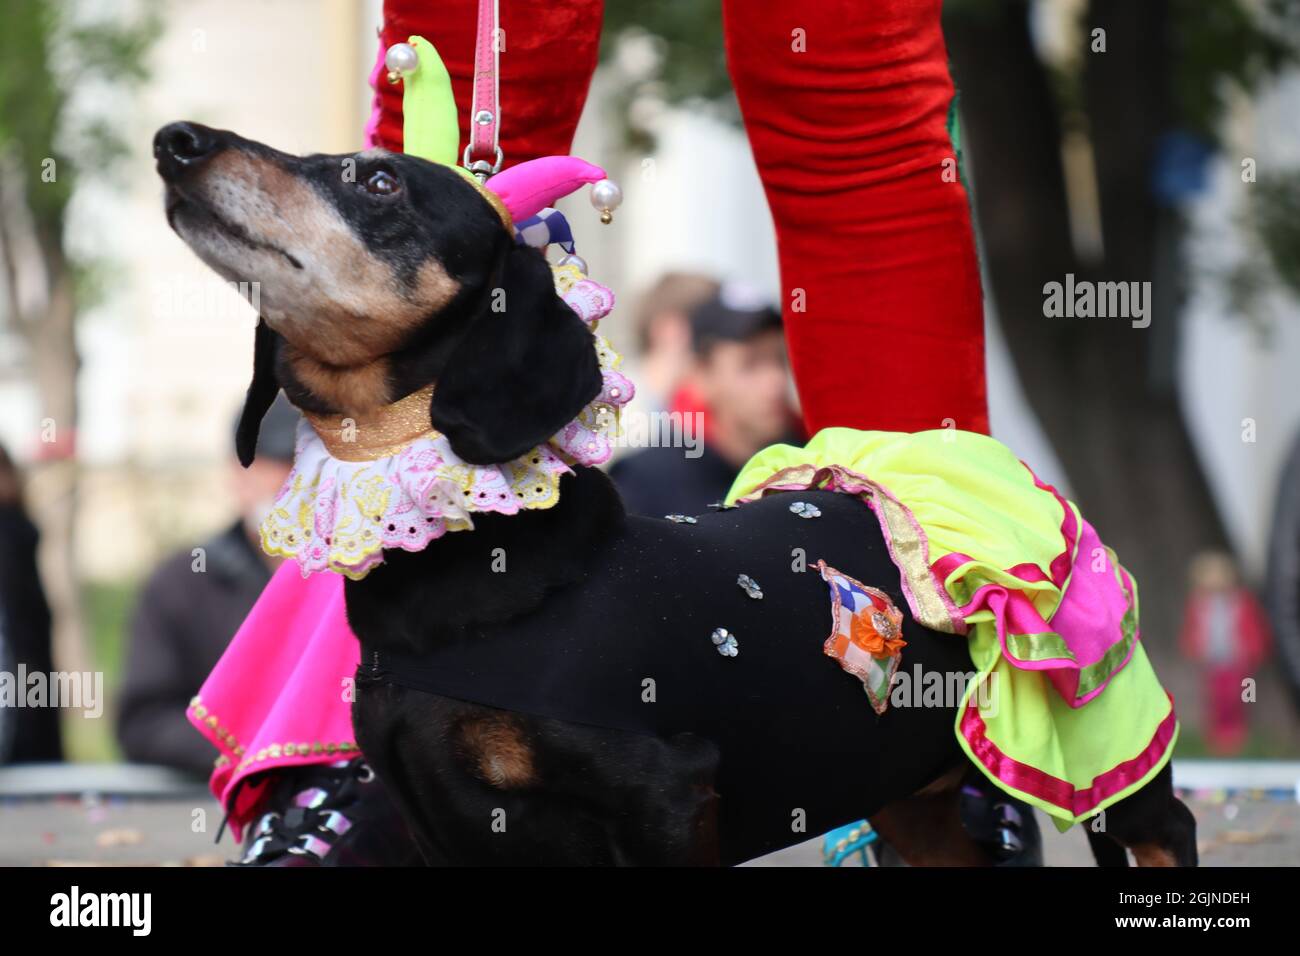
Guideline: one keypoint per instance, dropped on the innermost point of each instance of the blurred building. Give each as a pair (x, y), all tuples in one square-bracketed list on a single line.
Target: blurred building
[(166, 355)]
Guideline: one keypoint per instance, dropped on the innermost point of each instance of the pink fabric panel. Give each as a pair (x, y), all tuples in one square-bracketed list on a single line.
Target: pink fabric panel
[(281, 684), (1091, 613), (530, 187), (1089, 617)]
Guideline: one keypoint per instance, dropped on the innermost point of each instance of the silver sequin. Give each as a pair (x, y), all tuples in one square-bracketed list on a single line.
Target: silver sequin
[(681, 519), (804, 510), (725, 642), (750, 587)]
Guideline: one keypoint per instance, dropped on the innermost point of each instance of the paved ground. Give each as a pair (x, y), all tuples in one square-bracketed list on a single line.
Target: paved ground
[(1239, 830), (1235, 830), (69, 831)]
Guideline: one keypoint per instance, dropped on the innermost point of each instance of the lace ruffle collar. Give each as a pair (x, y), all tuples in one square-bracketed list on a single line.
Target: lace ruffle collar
[(334, 515)]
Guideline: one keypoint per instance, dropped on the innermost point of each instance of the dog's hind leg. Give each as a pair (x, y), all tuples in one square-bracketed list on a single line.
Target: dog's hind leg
[(1153, 823), (1105, 850), (926, 828), (1175, 844)]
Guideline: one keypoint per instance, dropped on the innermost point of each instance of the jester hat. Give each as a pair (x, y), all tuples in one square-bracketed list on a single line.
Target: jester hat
[(430, 130)]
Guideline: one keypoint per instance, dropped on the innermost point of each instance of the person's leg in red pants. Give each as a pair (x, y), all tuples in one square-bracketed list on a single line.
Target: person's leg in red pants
[(845, 103)]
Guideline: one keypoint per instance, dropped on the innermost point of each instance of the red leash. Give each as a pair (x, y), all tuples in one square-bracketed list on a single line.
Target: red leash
[(483, 155)]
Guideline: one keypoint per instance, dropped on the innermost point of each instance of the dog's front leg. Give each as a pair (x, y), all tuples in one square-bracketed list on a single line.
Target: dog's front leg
[(481, 786)]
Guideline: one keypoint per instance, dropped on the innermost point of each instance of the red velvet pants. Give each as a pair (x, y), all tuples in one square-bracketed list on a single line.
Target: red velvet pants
[(845, 103)]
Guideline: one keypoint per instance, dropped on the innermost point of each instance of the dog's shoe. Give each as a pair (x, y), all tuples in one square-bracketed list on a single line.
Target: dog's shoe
[(334, 814), (1004, 826)]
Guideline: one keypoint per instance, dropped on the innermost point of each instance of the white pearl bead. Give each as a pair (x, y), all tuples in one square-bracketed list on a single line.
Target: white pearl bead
[(402, 58), (606, 194), (574, 260)]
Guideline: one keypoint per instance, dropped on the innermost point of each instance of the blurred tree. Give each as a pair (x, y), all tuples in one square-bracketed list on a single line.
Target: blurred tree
[(677, 56), (1103, 390), (59, 66), (1277, 208)]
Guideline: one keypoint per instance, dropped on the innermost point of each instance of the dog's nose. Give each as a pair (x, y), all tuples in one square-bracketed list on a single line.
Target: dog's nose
[(182, 147)]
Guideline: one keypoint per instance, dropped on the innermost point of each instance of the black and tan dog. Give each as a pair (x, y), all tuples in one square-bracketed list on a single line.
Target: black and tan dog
[(572, 709)]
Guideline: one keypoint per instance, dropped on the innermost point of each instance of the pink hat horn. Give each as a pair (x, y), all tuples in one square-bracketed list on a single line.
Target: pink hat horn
[(530, 187)]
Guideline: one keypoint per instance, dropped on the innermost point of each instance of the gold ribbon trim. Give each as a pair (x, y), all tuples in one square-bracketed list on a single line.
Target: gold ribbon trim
[(379, 434), (496, 202)]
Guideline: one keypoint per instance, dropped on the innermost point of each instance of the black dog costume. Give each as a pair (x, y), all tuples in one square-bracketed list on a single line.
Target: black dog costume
[(631, 650)]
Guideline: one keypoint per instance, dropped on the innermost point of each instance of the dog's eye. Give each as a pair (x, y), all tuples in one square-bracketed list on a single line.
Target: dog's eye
[(382, 183)]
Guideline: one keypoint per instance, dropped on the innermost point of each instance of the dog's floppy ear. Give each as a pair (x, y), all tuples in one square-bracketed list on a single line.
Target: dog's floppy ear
[(261, 393), (520, 374)]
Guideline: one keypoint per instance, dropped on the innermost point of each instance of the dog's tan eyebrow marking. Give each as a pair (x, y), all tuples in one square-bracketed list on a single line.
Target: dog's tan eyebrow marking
[(1153, 854), (497, 751)]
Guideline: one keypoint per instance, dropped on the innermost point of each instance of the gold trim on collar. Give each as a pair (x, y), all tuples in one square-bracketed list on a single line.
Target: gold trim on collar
[(496, 202), (378, 434)]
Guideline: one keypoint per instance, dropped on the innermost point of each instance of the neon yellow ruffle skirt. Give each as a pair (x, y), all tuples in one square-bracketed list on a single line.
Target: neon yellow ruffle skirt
[(1064, 710)]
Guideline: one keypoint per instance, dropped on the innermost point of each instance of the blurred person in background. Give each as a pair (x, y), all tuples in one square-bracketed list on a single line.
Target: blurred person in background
[(1226, 633), (663, 326), (738, 386), (27, 734), (190, 608)]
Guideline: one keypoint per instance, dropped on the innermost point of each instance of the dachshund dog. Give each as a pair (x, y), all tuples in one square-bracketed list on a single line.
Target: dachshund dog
[(571, 708)]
